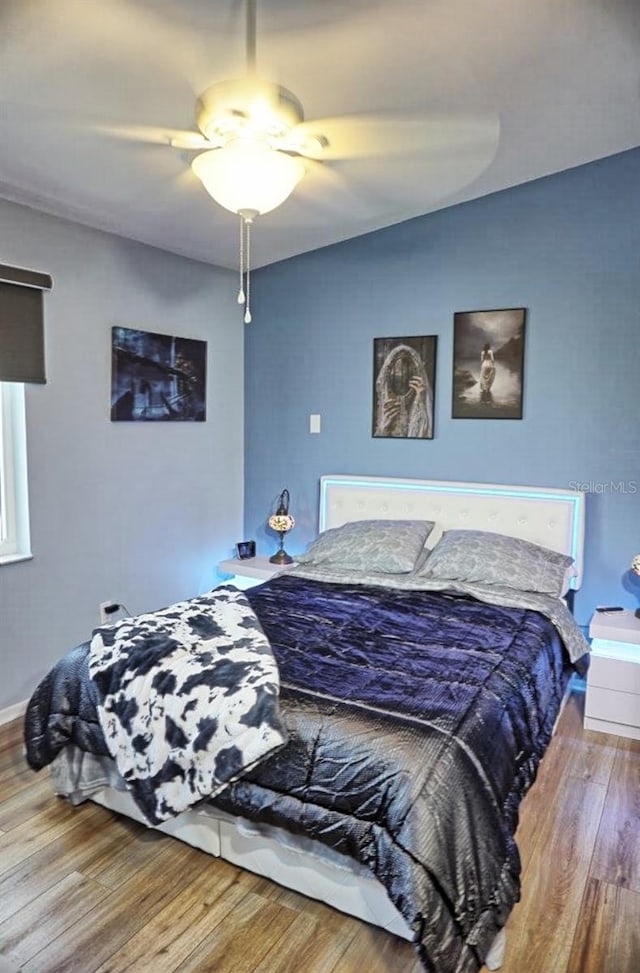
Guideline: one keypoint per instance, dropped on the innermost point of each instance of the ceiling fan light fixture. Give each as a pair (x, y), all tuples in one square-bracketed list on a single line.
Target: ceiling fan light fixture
[(247, 174), (247, 106), (248, 177)]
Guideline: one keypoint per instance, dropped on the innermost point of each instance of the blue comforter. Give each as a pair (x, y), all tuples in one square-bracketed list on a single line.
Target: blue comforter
[(416, 723)]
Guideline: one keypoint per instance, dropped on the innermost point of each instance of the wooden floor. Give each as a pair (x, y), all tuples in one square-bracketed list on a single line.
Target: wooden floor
[(84, 890)]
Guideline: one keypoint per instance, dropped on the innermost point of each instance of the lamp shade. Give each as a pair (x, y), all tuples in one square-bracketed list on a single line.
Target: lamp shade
[(281, 523), (247, 175)]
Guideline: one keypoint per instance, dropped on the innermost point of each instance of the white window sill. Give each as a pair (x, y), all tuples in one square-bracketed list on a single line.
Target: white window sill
[(14, 558)]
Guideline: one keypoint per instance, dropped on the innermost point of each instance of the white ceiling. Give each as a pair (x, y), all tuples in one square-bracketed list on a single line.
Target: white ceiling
[(558, 79)]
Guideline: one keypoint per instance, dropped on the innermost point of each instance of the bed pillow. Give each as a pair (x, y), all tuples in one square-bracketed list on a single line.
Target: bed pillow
[(482, 557), (370, 546)]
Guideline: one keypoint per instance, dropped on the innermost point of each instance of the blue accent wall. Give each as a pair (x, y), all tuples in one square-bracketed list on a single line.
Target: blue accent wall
[(567, 248)]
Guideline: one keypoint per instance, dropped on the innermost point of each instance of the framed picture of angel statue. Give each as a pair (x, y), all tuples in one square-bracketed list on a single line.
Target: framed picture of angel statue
[(404, 375)]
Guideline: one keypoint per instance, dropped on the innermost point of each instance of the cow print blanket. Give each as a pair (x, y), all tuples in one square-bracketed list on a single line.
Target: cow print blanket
[(188, 699)]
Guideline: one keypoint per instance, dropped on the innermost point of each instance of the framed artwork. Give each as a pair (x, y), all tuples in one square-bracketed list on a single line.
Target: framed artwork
[(157, 377), (404, 376), (488, 364)]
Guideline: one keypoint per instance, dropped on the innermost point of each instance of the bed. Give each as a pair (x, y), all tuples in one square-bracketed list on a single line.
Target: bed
[(416, 705)]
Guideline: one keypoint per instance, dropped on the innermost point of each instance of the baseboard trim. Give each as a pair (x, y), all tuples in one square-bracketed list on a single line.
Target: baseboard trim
[(14, 712)]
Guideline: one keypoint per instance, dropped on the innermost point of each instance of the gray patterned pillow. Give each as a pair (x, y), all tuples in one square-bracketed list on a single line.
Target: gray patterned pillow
[(380, 546), (482, 557)]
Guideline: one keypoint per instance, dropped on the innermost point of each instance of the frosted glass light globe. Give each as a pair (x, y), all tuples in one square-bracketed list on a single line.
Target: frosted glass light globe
[(248, 176)]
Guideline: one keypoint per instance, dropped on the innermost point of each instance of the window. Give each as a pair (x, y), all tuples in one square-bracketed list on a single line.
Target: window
[(14, 501), (21, 360)]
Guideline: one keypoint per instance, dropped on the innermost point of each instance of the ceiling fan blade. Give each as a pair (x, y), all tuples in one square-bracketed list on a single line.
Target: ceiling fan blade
[(326, 191), (369, 136), (155, 135)]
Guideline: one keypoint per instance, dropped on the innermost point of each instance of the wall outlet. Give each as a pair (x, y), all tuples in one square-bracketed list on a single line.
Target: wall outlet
[(102, 608)]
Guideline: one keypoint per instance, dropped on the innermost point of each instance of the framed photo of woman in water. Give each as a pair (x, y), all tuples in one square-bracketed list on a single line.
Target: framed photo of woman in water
[(404, 376), (488, 364)]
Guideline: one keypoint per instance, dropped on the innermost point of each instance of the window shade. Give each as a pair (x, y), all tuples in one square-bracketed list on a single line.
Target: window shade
[(22, 324)]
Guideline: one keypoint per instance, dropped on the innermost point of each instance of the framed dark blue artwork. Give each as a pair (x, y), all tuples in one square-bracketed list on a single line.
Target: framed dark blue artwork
[(157, 377)]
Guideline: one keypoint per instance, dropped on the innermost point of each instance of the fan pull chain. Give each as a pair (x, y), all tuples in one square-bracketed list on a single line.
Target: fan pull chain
[(247, 312), (241, 297)]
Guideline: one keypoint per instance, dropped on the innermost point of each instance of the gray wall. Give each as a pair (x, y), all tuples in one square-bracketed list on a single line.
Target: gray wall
[(135, 512)]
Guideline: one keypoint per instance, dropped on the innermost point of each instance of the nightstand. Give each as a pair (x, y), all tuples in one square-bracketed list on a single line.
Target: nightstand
[(613, 683), (251, 570)]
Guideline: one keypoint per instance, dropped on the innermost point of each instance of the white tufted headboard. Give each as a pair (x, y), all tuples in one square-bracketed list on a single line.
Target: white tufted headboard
[(551, 517)]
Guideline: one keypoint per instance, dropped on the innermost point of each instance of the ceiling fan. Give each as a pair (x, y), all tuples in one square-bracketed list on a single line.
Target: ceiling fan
[(254, 146)]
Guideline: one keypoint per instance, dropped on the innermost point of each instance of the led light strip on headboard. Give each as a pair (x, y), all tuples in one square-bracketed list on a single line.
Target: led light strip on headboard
[(551, 517)]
